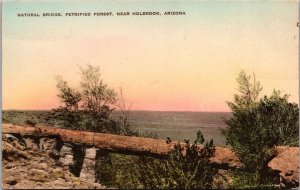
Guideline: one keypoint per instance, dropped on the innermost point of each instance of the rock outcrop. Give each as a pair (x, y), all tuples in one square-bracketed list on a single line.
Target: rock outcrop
[(287, 164), (226, 157), (29, 165)]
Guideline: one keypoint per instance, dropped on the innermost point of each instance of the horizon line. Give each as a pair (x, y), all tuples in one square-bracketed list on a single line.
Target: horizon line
[(128, 110)]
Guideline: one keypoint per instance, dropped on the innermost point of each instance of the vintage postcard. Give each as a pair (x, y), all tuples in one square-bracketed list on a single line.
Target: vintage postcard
[(150, 94)]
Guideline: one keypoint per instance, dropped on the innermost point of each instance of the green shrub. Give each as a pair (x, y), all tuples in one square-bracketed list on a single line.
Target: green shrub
[(248, 180), (30, 122), (258, 125), (184, 171), (118, 170), (190, 171)]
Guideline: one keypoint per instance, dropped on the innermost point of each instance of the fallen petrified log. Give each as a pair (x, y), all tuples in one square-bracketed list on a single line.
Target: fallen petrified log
[(118, 143)]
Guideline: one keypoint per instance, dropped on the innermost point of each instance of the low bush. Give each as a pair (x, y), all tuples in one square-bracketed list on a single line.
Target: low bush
[(184, 168), (30, 122), (248, 180)]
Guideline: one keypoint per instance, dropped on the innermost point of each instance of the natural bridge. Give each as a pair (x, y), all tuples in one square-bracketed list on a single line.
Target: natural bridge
[(116, 143), (286, 161)]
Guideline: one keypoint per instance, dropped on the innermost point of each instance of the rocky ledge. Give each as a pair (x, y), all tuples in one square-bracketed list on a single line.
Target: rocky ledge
[(30, 167)]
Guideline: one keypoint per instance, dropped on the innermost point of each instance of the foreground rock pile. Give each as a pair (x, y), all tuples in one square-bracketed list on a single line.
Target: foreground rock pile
[(31, 166)]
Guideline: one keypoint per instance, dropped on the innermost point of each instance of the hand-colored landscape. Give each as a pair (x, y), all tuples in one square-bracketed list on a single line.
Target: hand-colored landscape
[(150, 94)]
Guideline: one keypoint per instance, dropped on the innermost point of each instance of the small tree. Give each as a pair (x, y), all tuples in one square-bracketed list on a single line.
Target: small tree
[(97, 101), (257, 125), (88, 109)]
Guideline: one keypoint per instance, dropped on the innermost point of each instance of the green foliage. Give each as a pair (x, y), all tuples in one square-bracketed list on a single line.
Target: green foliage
[(118, 170), (248, 91), (90, 107), (249, 180), (257, 125), (145, 133), (186, 167), (30, 122)]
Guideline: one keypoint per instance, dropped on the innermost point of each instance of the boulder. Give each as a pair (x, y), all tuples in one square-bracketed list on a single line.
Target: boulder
[(286, 163), (226, 157), (13, 148)]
